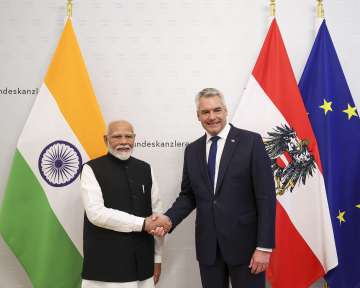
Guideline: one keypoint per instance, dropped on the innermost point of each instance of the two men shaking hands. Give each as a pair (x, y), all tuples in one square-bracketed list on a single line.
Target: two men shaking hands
[(227, 178)]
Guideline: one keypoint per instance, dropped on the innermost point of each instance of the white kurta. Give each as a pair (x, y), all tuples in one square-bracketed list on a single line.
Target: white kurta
[(148, 283), (116, 220)]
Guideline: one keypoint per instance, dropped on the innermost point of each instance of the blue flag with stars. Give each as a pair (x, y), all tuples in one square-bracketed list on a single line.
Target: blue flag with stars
[(336, 124)]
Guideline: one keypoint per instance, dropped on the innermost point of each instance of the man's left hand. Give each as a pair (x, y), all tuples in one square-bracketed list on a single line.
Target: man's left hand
[(259, 261), (157, 272)]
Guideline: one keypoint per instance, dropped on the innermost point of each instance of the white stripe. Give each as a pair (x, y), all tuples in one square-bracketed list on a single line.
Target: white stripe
[(46, 124), (306, 206)]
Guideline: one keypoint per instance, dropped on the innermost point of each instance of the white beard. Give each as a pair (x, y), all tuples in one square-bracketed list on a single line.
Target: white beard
[(120, 155)]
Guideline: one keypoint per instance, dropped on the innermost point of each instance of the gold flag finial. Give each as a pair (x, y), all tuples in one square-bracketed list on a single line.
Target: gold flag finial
[(272, 8), (320, 9), (69, 8)]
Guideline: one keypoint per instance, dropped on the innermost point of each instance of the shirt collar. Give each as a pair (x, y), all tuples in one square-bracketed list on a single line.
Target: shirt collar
[(222, 134)]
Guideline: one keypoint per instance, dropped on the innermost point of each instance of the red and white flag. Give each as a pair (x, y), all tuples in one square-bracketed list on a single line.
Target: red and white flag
[(272, 106)]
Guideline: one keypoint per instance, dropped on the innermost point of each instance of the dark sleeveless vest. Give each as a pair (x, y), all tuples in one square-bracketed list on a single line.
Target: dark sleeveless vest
[(112, 256)]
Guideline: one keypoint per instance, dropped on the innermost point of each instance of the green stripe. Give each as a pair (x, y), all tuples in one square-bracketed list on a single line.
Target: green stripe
[(32, 231)]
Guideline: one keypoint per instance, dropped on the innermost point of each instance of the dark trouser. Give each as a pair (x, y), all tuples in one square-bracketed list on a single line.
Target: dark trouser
[(217, 275)]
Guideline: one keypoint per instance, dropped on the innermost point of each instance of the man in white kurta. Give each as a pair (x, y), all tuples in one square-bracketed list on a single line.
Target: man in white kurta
[(120, 140)]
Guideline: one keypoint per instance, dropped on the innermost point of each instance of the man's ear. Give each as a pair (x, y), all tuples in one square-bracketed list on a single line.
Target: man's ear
[(105, 140)]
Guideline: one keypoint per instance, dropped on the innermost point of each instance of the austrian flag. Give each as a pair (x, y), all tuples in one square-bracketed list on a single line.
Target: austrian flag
[(273, 107)]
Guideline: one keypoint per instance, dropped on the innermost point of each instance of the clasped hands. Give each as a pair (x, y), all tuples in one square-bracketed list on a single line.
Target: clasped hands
[(157, 224)]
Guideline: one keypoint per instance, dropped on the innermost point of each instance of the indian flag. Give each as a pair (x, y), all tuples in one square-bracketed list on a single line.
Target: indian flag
[(41, 215)]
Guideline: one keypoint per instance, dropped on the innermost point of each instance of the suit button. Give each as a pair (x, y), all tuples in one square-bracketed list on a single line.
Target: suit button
[(214, 202)]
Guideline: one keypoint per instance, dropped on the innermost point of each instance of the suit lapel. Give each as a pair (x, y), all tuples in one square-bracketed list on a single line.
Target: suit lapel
[(229, 148), (203, 162)]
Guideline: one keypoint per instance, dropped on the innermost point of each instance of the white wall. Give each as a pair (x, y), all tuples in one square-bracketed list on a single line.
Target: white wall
[(147, 59)]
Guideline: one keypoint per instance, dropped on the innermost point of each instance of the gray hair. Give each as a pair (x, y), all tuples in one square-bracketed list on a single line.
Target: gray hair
[(119, 122), (208, 93)]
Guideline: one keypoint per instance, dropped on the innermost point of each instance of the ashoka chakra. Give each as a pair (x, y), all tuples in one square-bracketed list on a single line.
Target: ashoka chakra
[(60, 163)]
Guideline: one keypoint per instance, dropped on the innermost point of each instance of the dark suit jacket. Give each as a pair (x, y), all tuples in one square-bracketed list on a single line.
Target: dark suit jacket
[(240, 216)]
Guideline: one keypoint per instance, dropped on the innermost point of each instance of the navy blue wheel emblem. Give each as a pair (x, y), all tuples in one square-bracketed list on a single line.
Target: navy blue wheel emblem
[(60, 163)]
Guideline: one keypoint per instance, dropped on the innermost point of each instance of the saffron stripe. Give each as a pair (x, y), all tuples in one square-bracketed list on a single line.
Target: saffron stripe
[(69, 83)]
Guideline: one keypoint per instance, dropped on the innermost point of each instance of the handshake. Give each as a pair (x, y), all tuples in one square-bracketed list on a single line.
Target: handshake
[(157, 225)]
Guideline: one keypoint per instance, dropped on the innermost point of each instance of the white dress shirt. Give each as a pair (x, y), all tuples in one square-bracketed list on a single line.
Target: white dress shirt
[(223, 134), (116, 220), (220, 147)]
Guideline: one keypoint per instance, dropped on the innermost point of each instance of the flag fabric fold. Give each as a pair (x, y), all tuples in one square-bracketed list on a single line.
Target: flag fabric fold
[(272, 106), (41, 214), (336, 125)]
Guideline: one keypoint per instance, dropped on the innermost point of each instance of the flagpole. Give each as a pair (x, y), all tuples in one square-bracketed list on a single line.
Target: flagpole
[(272, 8), (69, 6), (320, 9), (320, 17)]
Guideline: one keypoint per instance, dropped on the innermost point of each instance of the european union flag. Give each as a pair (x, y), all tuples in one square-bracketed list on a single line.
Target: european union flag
[(336, 124)]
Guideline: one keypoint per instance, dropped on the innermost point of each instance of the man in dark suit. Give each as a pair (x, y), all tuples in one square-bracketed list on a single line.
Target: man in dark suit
[(228, 179)]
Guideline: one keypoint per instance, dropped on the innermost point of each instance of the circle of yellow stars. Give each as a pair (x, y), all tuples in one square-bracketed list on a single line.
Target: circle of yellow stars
[(350, 110)]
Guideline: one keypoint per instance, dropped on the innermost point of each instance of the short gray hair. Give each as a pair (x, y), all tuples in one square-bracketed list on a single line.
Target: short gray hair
[(208, 93)]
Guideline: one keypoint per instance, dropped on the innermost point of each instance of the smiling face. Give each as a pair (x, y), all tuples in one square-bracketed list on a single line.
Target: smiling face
[(212, 114), (120, 139)]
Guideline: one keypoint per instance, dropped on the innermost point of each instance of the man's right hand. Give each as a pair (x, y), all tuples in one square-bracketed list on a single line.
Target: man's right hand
[(157, 224)]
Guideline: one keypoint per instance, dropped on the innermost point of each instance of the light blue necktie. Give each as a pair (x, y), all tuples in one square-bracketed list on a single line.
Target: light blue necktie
[(212, 159)]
